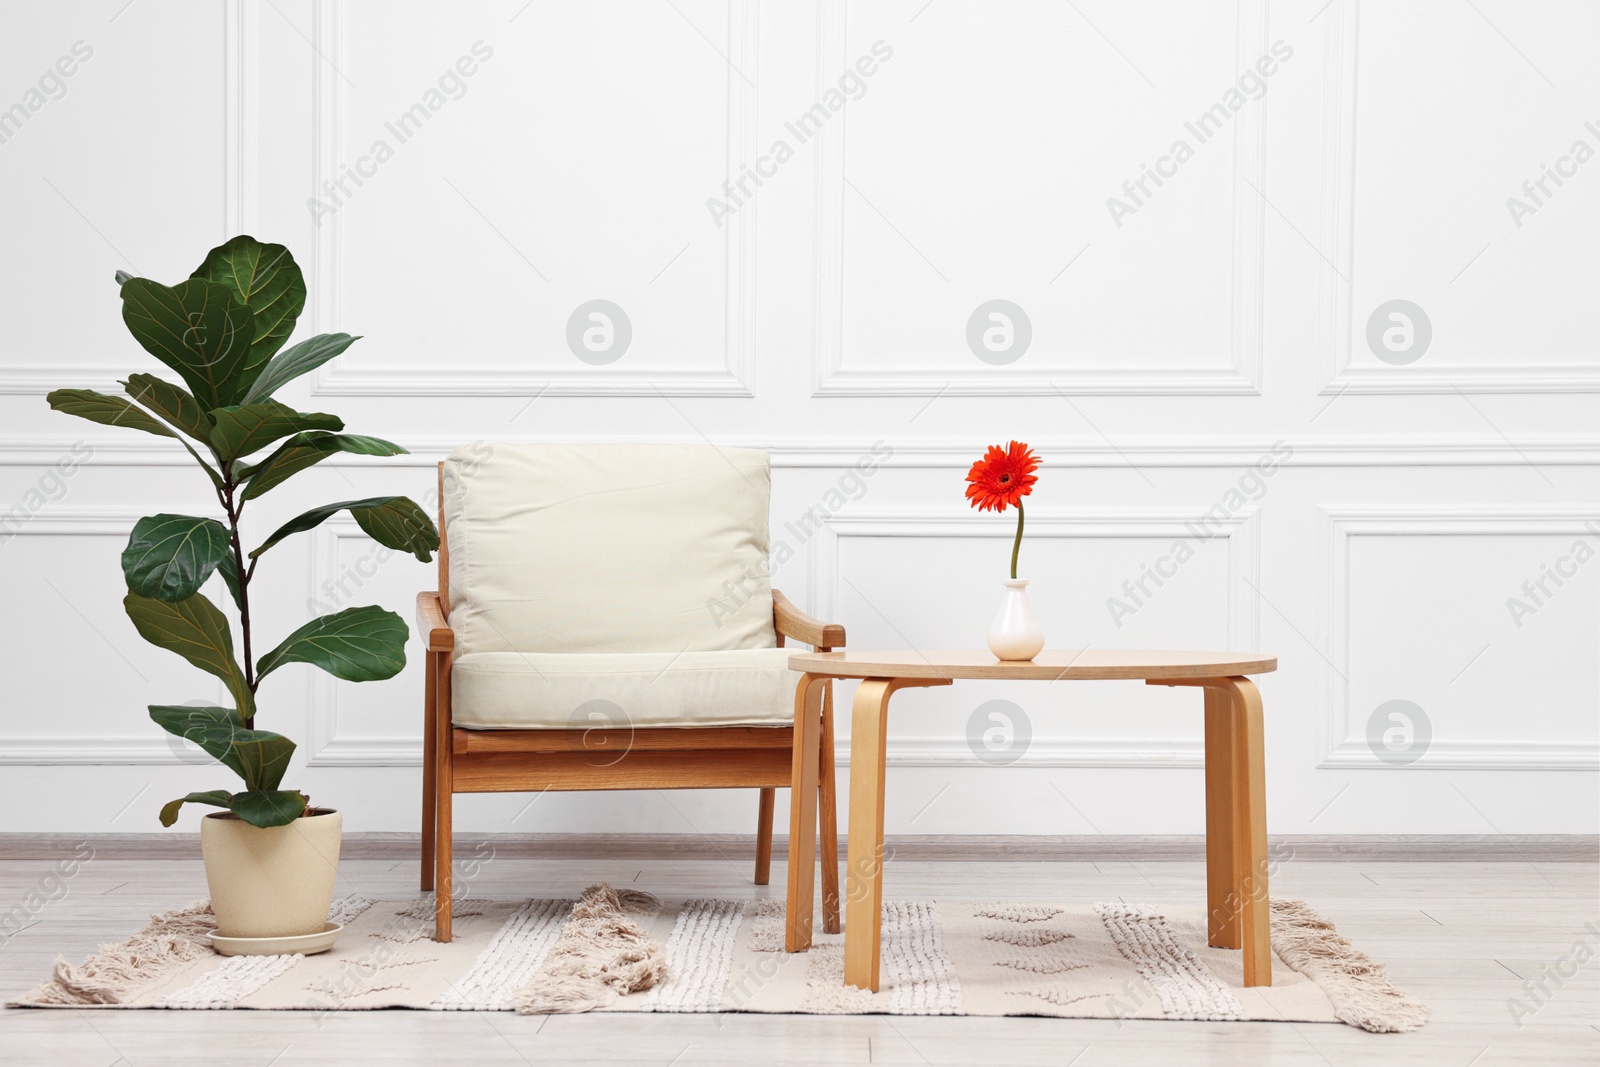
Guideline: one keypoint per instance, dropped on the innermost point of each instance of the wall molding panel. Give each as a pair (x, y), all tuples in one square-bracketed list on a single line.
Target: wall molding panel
[(1240, 533), (238, 151), (1242, 376), (735, 377), (1341, 25), (1341, 744), (149, 745)]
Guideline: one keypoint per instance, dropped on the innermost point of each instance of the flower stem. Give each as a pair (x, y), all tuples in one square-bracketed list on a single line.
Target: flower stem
[(1016, 546)]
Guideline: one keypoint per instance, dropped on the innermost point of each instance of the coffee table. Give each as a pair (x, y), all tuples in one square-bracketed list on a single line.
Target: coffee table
[(1237, 904)]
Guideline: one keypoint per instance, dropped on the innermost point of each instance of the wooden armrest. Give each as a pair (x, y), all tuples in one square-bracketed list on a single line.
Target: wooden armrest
[(790, 621), (432, 624)]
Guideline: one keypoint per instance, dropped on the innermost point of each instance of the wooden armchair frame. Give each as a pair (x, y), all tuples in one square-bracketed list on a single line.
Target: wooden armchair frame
[(704, 757)]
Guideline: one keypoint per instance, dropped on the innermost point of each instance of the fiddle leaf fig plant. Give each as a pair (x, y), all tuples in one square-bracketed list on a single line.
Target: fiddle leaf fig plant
[(222, 332)]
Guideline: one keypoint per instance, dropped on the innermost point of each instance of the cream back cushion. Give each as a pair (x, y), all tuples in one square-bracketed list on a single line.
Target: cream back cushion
[(608, 548)]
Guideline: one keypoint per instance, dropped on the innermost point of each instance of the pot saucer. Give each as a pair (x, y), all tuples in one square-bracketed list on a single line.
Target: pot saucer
[(305, 944)]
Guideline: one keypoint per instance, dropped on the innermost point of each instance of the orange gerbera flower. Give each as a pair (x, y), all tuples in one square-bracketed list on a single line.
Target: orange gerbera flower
[(1003, 476)]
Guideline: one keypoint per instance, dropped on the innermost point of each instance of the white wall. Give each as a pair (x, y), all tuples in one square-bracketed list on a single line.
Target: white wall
[(1222, 322)]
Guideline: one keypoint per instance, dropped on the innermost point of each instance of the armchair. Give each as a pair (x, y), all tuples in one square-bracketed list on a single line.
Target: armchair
[(604, 620)]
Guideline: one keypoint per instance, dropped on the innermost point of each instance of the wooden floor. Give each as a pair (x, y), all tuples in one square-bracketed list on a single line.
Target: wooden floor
[(1462, 935)]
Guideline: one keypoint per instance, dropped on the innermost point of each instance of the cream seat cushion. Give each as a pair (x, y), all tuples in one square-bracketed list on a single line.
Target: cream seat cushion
[(570, 691), (591, 548)]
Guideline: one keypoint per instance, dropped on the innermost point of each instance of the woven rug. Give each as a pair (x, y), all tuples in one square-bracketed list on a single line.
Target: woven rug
[(630, 952)]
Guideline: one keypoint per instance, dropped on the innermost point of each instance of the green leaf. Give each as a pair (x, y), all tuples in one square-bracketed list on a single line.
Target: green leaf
[(171, 403), (229, 569), (305, 450), (198, 632), (181, 410), (258, 756), (115, 411), (278, 808), (392, 521), (191, 721), (357, 645), (106, 410), (178, 408), (239, 431), (401, 524), (169, 557), (294, 361), (217, 798), (199, 330), (265, 279), (263, 756)]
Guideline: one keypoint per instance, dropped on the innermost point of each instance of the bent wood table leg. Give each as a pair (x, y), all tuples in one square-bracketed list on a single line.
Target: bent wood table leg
[(864, 868), (1236, 803), (1250, 823), (1222, 917), (803, 812), (829, 817), (430, 710), (764, 836), (869, 724)]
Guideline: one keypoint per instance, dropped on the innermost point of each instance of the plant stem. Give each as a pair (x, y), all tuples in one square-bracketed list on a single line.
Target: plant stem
[(1016, 546), (243, 578)]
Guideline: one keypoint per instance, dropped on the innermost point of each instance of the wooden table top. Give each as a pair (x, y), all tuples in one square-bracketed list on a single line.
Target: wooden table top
[(1049, 665)]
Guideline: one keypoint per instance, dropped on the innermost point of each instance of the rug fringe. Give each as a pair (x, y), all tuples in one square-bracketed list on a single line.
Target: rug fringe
[(120, 970), (1358, 988), (600, 955)]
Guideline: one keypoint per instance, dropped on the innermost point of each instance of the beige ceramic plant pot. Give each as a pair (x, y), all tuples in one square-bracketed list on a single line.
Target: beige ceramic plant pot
[(272, 882)]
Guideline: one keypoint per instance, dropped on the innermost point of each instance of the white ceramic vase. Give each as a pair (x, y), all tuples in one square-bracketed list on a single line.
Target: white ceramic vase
[(1015, 633), (271, 882)]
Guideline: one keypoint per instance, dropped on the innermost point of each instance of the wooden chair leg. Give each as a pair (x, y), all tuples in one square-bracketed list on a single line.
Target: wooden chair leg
[(828, 813), (430, 785), (443, 876), (764, 836), (444, 784)]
